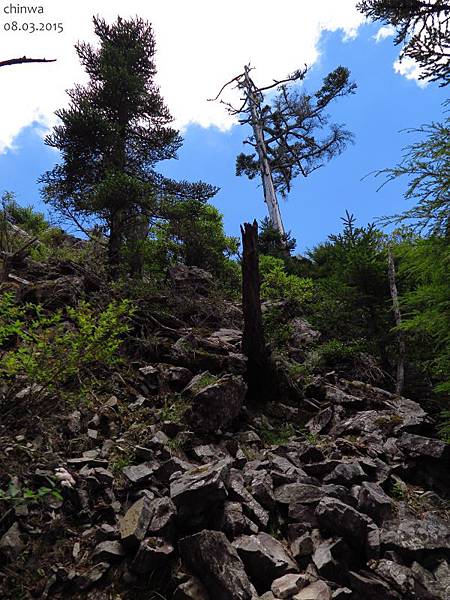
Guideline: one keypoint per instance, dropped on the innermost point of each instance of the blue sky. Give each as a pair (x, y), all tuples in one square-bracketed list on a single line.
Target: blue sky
[(385, 103)]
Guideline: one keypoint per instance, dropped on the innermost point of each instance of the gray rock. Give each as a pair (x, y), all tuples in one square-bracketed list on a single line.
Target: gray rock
[(370, 587), (163, 518), (357, 529), (298, 493), (216, 563), (108, 551), (319, 422), (140, 475), (11, 543), (191, 279), (237, 491), (374, 502), (342, 594), (326, 565), (288, 585), (217, 404), (417, 537), (92, 577), (153, 553), (301, 513), (401, 578), (336, 395), (261, 487), (135, 522), (302, 546), (199, 490), (414, 446), (346, 474), (318, 590), (233, 522), (265, 559), (302, 333), (192, 589), (171, 466)]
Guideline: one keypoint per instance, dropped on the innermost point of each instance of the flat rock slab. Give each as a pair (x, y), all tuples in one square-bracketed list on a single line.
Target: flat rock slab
[(417, 537)]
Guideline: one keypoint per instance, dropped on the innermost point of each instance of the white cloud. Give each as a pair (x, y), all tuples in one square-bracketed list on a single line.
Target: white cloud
[(410, 69), (384, 32), (200, 45)]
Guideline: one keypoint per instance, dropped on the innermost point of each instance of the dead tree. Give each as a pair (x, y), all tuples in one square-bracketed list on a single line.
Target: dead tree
[(285, 141), (260, 379), (400, 379), (24, 60)]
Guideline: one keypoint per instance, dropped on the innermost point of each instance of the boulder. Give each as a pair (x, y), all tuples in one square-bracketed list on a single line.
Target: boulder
[(265, 559), (414, 446), (365, 585), (140, 475), (302, 333), (199, 491), (216, 563), (298, 493), (347, 473), (401, 578), (153, 553), (108, 551), (233, 522), (357, 529), (373, 501), (134, 525), (215, 405), (415, 538), (237, 491), (186, 279)]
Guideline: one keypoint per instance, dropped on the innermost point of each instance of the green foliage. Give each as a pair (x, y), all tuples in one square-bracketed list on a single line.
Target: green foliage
[(24, 217), (111, 136), (14, 494), (425, 266), (54, 348), (422, 30), (352, 300), (274, 436), (191, 232), (277, 284), (444, 428), (277, 331), (426, 165), (335, 352), (174, 408)]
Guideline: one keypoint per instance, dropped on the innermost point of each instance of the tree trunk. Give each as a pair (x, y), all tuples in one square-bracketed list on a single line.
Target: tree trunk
[(137, 236), (400, 379), (115, 244), (270, 195), (259, 376)]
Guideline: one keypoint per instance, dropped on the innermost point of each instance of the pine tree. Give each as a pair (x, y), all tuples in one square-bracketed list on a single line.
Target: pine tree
[(112, 134), (422, 27)]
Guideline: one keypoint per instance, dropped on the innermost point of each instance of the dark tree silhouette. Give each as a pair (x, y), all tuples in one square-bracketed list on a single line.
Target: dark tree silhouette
[(24, 60)]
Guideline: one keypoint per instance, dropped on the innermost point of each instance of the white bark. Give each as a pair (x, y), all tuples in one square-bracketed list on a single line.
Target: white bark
[(270, 196), (400, 380)]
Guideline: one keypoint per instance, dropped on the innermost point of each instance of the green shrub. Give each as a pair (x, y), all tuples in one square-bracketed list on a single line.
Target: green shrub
[(54, 348), (277, 284)]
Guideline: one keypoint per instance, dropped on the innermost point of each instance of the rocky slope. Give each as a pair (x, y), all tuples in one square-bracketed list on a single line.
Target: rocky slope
[(174, 488)]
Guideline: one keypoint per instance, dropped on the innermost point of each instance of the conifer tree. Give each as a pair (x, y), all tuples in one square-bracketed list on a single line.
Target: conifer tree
[(112, 134), (422, 28)]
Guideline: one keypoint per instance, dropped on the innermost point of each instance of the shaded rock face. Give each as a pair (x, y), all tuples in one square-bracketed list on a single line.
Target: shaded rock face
[(186, 279), (417, 538), (265, 559), (199, 491), (216, 405), (216, 563)]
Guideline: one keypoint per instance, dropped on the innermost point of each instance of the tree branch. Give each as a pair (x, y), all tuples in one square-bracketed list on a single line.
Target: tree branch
[(24, 59)]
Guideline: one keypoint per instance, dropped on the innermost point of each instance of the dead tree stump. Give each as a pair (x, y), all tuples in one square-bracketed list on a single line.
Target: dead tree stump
[(260, 377)]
